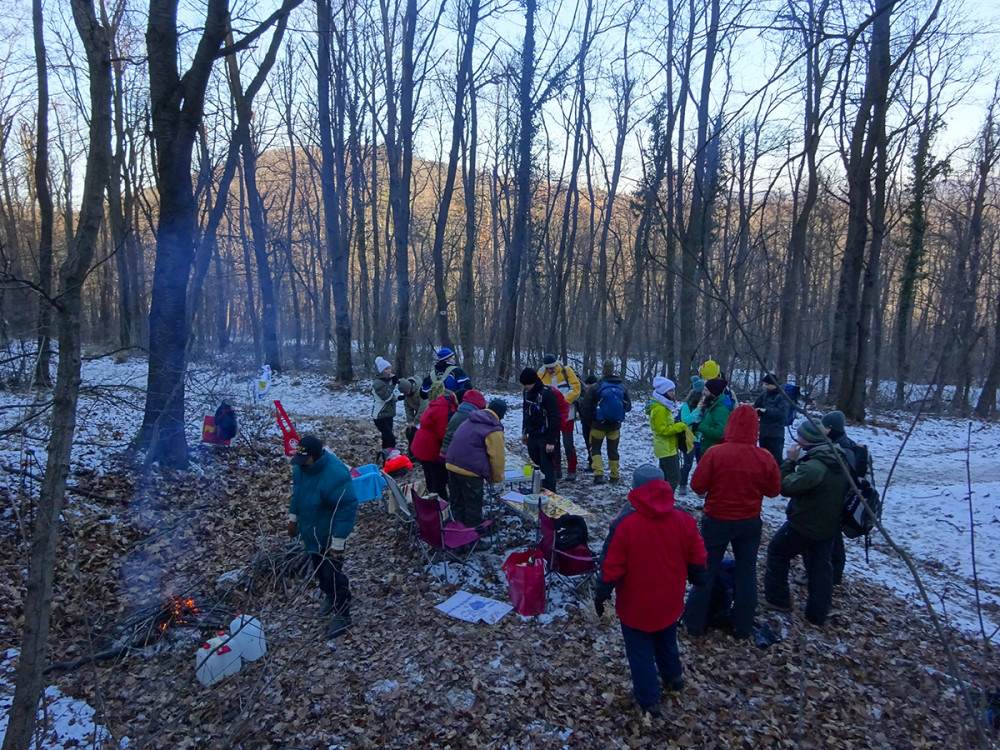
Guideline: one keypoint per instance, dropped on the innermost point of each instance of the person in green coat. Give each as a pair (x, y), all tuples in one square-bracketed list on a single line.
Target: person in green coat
[(322, 514), (711, 415), (660, 410)]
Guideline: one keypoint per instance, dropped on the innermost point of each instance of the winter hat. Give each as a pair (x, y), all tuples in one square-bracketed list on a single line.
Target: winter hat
[(835, 420), (769, 379), (810, 433), (710, 370), (663, 385), (444, 353), (309, 446), (475, 398), (645, 474), (528, 377), (498, 406), (590, 379), (608, 368), (380, 364), (550, 360), (716, 386), (697, 384), (406, 386)]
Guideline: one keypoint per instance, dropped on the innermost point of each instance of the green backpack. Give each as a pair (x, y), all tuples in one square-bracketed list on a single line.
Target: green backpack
[(437, 388)]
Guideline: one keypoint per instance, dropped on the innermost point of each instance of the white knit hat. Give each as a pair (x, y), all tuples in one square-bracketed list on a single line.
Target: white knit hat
[(381, 364), (663, 385)]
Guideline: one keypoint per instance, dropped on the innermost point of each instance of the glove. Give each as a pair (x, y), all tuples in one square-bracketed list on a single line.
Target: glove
[(401, 398), (599, 603), (427, 383), (395, 379)]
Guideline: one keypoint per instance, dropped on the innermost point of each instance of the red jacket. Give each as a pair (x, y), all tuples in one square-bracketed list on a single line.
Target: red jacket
[(735, 474), (427, 442), (649, 549), (563, 410)]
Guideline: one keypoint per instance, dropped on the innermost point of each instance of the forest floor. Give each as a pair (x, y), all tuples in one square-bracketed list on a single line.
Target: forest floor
[(407, 675)]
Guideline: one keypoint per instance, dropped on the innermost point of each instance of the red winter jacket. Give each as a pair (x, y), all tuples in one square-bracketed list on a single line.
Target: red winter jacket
[(735, 474), (430, 434), (564, 423), (649, 549)]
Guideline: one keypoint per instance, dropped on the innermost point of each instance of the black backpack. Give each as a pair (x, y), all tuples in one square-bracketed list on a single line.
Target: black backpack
[(225, 422), (571, 531), (855, 520)]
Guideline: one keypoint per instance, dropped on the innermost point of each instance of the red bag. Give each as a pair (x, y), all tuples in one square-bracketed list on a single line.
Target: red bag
[(525, 574), (208, 433), (288, 432)]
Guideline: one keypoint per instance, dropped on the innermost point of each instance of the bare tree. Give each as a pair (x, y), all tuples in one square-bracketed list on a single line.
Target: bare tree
[(44, 196)]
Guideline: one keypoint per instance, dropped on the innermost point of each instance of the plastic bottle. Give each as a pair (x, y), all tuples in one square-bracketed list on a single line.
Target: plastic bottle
[(248, 637), (215, 660)]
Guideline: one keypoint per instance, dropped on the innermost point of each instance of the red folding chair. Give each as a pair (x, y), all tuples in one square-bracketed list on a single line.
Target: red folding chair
[(575, 566), (452, 540)]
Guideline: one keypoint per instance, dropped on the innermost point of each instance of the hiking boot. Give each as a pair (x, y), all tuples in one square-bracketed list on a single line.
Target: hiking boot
[(768, 604), (682, 490), (598, 479), (328, 605), (652, 712), (675, 685), (339, 625), (571, 476), (615, 480)]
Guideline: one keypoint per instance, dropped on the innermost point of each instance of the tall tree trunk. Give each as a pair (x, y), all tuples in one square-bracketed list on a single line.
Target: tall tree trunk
[(44, 196), (520, 239), (45, 531), (466, 301)]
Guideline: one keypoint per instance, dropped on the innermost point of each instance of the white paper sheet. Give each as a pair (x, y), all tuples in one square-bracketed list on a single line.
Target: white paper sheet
[(474, 608)]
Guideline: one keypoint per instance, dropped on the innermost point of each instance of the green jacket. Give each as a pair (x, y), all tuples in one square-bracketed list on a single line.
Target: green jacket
[(665, 429), (815, 486), (711, 423), (384, 391), (323, 502)]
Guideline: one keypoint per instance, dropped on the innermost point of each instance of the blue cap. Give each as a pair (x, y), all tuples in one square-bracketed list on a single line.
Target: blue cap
[(443, 353)]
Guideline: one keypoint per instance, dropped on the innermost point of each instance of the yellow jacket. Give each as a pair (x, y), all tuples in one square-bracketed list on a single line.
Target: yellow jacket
[(565, 380)]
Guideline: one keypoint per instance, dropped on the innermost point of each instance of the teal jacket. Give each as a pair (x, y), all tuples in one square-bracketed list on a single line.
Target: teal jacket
[(712, 423), (323, 502)]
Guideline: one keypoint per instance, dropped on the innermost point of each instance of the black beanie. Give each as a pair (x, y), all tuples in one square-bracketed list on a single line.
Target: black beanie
[(529, 376), (769, 379), (499, 407)]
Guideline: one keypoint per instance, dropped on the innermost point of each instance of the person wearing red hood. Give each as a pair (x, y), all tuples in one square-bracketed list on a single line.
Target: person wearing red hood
[(734, 476), (651, 550), (427, 442)]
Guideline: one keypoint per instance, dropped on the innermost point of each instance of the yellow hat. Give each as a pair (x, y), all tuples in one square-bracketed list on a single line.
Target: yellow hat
[(709, 370)]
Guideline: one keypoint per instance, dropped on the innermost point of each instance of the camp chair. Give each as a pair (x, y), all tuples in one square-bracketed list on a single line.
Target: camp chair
[(397, 505), (575, 566), (443, 540)]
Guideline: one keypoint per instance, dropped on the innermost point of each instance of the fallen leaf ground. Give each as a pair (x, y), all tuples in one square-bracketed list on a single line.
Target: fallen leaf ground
[(409, 676)]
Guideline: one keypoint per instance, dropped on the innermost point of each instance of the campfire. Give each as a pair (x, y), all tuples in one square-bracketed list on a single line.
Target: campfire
[(176, 611)]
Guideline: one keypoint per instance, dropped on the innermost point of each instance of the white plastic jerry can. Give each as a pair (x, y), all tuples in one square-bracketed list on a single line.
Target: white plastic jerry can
[(216, 659), (248, 637)]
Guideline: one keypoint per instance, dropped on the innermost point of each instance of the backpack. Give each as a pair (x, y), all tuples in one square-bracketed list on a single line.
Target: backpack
[(571, 531), (610, 403), (855, 520), (720, 606), (225, 422), (438, 388), (791, 409)]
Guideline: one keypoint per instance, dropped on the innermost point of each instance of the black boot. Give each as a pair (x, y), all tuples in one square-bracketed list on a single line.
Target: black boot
[(340, 623)]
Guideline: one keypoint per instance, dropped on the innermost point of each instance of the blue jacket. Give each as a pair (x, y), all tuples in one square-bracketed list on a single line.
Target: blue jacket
[(323, 502)]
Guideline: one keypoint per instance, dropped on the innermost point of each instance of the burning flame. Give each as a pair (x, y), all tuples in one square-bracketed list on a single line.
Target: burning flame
[(178, 611)]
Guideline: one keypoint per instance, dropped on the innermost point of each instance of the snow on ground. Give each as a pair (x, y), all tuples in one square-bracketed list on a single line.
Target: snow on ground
[(927, 504)]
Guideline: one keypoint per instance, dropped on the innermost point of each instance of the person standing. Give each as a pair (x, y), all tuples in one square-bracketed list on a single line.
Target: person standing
[(477, 454), (611, 404), (585, 411), (409, 389), (734, 476), (711, 414), (772, 407), (651, 550), (561, 377), (322, 514), (427, 442), (384, 407), (691, 452), (446, 375), (835, 425), (665, 430), (815, 483), (540, 424)]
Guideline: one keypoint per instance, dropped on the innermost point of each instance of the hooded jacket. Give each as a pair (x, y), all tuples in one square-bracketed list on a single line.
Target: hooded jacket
[(478, 449), (711, 422), (323, 502), (775, 406), (564, 380), (384, 391), (735, 475), (815, 485), (665, 429), (433, 424), (649, 549)]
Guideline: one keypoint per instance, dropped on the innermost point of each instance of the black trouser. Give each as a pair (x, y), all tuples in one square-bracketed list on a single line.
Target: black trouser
[(585, 426), (466, 498), (787, 544), (687, 463), (332, 580), (671, 468), (436, 477), (773, 445), (384, 425), (838, 559), (536, 449)]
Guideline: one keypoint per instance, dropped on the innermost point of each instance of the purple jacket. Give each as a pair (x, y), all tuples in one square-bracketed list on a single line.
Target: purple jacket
[(468, 447)]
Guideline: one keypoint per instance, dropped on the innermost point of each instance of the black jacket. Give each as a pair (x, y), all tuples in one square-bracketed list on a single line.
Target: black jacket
[(541, 413), (775, 406)]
